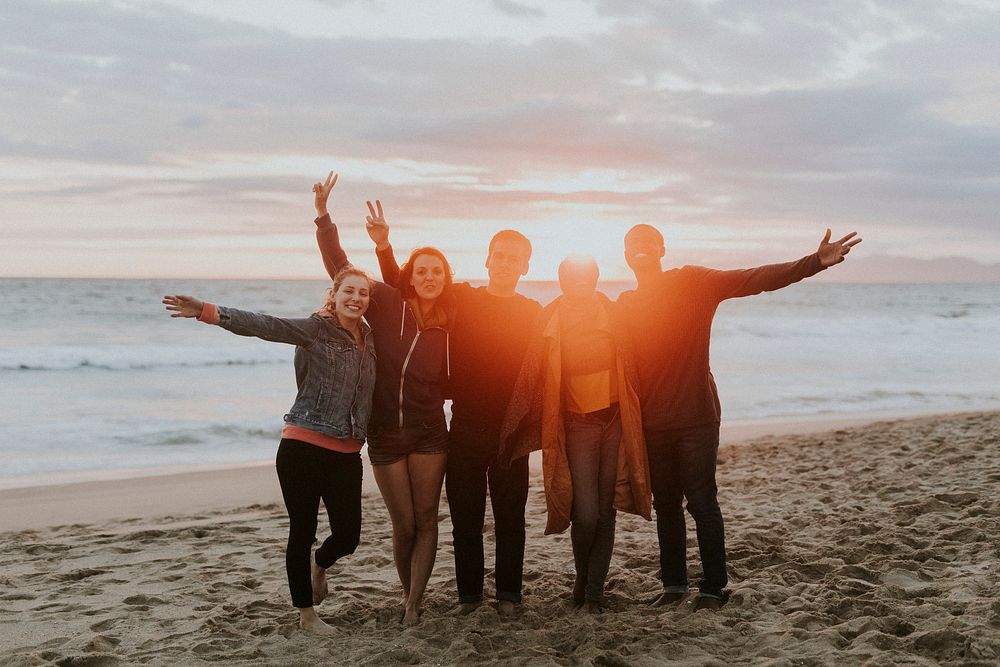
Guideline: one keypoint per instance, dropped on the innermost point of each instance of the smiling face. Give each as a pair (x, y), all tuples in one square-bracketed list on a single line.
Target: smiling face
[(643, 248), (428, 278), (508, 261), (351, 299)]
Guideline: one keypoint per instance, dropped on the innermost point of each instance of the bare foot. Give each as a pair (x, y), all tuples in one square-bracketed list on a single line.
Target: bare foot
[(666, 599), (411, 617), (466, 608), (320, 587), (310, 621), (505, 609)]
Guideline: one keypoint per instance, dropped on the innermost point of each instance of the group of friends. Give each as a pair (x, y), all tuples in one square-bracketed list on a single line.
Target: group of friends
[(618, 396)]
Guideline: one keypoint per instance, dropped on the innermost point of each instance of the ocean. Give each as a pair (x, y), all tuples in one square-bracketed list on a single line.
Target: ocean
[(96, 378)]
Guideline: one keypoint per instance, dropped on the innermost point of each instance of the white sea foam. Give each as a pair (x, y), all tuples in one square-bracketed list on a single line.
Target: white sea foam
[(94, 375)]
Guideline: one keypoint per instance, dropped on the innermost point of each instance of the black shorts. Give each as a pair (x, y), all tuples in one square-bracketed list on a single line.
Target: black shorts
[(387, 446)]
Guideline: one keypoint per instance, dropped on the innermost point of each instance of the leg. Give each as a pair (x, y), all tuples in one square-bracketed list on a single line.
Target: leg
[(583, 455), (426, 475), (393, 481), (465, 486), (295, 464), (341, 493), (698, 451), (508, 495), (604, 535), (301, 494), (668, 501)]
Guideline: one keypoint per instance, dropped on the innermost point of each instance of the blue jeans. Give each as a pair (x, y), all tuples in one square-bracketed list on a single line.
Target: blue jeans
[(592, 442), (682, 465)]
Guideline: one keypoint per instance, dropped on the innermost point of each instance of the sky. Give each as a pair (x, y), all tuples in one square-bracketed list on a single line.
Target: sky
[(182, 138)]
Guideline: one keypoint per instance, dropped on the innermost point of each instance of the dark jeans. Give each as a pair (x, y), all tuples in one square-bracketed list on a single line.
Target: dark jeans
[(472, 467), (306, 474), (682, 465), (592, 442)]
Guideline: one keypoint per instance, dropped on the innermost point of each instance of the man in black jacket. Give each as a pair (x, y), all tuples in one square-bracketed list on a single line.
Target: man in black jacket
[(670, 314)]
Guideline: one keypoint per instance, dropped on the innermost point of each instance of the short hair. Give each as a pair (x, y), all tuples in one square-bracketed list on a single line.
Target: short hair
[(338, 280), (642, 227), (406, 271), (509, 235)]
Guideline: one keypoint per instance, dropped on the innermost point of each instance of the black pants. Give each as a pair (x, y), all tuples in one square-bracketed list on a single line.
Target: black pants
[(472, 466), (306, 474), (682, 465)]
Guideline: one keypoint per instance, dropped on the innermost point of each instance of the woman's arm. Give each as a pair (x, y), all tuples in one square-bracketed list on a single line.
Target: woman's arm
[(334, 257), (378, 230), (244, 323)]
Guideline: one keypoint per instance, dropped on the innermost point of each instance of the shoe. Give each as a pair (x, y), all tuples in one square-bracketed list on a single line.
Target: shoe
[(708, 602), (666, 599)]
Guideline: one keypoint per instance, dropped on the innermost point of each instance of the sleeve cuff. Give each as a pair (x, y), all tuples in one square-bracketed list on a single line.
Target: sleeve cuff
[(209, 313), (324, 221)]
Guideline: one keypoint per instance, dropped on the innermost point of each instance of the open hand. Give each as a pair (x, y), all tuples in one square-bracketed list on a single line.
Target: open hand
[(184, 306), (835, 252), (378, 228), (322, 191)]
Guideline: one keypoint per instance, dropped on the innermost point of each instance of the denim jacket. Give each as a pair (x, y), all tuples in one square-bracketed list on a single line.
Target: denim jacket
[(334, 376)]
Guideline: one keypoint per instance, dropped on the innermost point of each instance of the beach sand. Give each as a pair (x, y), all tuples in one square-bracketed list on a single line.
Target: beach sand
[(865, 544)]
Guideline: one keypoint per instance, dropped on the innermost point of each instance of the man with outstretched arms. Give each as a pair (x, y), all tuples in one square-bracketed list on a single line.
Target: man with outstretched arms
[(670, 314), (487, 345)]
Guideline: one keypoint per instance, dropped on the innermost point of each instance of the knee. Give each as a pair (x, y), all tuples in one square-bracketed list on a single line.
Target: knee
[(404, 531), (585, 521), (299, 542), (668, 506), (425, 522), (509, 526), (703, 505)]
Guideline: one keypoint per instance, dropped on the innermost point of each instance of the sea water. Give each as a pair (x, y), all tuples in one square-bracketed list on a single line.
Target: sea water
[(95, 377)]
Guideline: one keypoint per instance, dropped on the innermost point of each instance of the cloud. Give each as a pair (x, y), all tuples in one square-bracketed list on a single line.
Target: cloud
[(749, 118)]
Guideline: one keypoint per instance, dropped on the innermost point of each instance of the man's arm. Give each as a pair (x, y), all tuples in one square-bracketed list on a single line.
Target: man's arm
[(770, 277)]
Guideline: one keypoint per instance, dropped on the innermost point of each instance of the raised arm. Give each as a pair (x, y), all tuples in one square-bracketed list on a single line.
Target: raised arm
[(244, 323), (378, 230), (334, 257), (770, 277)]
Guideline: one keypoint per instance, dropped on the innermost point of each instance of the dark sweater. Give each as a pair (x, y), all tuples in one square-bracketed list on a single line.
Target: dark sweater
[(489, 337), (671, 322), (410, 364)]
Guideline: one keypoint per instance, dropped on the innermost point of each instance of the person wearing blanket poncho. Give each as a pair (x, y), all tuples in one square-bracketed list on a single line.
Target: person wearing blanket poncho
[(575, 399)]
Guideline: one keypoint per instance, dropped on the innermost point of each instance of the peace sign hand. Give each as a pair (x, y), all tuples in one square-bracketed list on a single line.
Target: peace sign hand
[(835, 253), (378, 228), (322, 191)]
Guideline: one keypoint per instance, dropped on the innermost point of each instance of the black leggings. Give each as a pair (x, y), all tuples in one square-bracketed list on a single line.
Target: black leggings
[(306, 474)]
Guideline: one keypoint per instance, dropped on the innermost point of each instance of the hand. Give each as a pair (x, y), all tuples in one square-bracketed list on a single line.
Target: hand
[(834, 253), (322, 191), (185, 306), (378, 228)]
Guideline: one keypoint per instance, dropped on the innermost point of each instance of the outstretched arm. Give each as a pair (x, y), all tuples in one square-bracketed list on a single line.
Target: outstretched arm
[(334, 257), (770, 277), (378, 230), (244, 323)]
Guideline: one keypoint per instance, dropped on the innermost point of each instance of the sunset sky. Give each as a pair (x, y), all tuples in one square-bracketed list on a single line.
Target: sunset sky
[(182, 138)]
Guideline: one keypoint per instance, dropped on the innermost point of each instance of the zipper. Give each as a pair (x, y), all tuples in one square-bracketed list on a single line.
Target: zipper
[(402, 376)]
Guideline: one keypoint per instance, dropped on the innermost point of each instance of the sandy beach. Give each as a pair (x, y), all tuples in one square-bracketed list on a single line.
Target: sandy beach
[(849, 543)]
